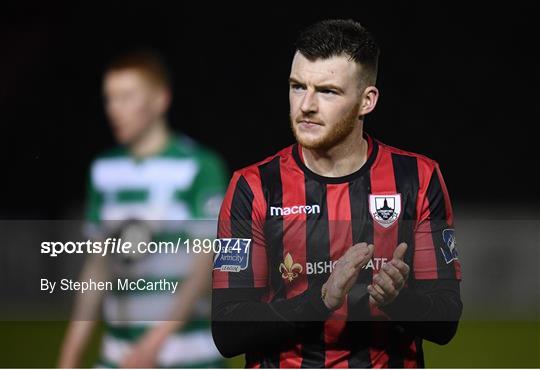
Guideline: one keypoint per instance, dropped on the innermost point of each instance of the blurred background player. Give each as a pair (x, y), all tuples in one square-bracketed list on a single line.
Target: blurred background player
[(150, 182)]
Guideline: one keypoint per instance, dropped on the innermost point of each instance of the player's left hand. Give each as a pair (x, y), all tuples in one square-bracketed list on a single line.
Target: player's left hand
[(143, 354), (390, 280)]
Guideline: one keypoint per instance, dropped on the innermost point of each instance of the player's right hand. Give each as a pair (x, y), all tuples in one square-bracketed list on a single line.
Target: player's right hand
[(345, 273)]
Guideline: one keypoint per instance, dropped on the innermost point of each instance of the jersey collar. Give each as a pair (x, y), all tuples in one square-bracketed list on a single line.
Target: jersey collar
[(373, 149)]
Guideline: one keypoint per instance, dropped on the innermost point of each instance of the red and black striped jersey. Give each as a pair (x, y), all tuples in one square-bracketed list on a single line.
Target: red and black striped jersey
[(299, 223)]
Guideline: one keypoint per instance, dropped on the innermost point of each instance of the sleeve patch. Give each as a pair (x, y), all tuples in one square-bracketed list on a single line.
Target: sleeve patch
[(449, 250), (233, 254)]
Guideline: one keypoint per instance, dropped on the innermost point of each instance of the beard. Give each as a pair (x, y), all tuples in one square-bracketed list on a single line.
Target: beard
[(337, 134)]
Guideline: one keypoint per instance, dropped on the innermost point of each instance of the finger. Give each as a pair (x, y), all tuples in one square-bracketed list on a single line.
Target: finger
[(355, 250), (344, 264), (378, 297), (375, 294), (402, 267), (367, 255), (379, 290), (399, 253), (370, 249), (376, 285), (385, 283), (344, 276), (357, 247), (364, 248), (397, 278), (357, 257), (359, 253)]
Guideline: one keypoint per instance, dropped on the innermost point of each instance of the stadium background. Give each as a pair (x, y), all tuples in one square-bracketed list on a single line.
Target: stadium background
[(458, 84)]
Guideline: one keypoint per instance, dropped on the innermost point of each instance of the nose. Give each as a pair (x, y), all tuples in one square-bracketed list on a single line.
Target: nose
[(309, 102)]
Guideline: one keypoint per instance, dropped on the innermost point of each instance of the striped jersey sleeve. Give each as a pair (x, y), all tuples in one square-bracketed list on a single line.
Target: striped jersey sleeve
[(435, 254), (240, 224)]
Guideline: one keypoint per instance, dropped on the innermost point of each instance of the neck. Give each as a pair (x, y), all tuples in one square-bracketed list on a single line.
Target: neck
[(341, 160), (152, 141)]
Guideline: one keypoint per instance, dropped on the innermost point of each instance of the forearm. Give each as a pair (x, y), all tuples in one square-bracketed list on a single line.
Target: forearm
[(190, 291), (85, 315), (185, 301), (428, 309), (241, 323), (76, 340)]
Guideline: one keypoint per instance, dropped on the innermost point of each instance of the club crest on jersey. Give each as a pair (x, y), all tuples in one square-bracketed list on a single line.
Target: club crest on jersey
[(385, 209)]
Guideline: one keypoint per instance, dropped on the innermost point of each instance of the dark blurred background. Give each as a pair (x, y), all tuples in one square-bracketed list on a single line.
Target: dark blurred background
[(459, 83)]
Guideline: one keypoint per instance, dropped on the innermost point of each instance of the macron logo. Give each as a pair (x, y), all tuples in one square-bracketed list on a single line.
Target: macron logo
[(294, 210)]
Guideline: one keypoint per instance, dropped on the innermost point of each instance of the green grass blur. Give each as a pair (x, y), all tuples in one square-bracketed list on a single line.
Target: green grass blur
[(488, 344), (476, 345)]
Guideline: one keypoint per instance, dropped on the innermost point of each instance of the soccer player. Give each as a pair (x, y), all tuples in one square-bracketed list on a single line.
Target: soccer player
[(151, 178), (338, 251)]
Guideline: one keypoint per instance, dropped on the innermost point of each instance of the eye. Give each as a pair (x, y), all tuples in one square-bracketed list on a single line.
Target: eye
[(328, 92), (297, 87)]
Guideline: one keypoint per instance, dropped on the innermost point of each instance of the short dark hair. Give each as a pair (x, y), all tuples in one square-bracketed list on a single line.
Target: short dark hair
[(336, 37), (146, 61)]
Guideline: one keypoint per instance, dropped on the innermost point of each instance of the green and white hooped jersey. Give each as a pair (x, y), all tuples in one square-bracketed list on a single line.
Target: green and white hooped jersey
[(184, 182)]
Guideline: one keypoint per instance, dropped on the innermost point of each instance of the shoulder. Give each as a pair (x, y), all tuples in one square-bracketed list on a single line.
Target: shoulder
[(245, 191), (408, 161), (185, 146), (253, 171), (106, 165), (108, 157)]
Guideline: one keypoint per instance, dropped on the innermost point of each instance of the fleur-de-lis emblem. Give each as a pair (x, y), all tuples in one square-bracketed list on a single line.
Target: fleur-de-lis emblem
[(289, 269)]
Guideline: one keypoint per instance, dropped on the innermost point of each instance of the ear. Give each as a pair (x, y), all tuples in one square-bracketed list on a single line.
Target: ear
[(163, 100), (368, 100)]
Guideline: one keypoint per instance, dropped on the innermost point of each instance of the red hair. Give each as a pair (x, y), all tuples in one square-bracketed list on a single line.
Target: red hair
[(146, 62)]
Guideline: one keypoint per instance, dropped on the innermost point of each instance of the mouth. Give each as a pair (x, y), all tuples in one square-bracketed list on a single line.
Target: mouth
[(309, 123)]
